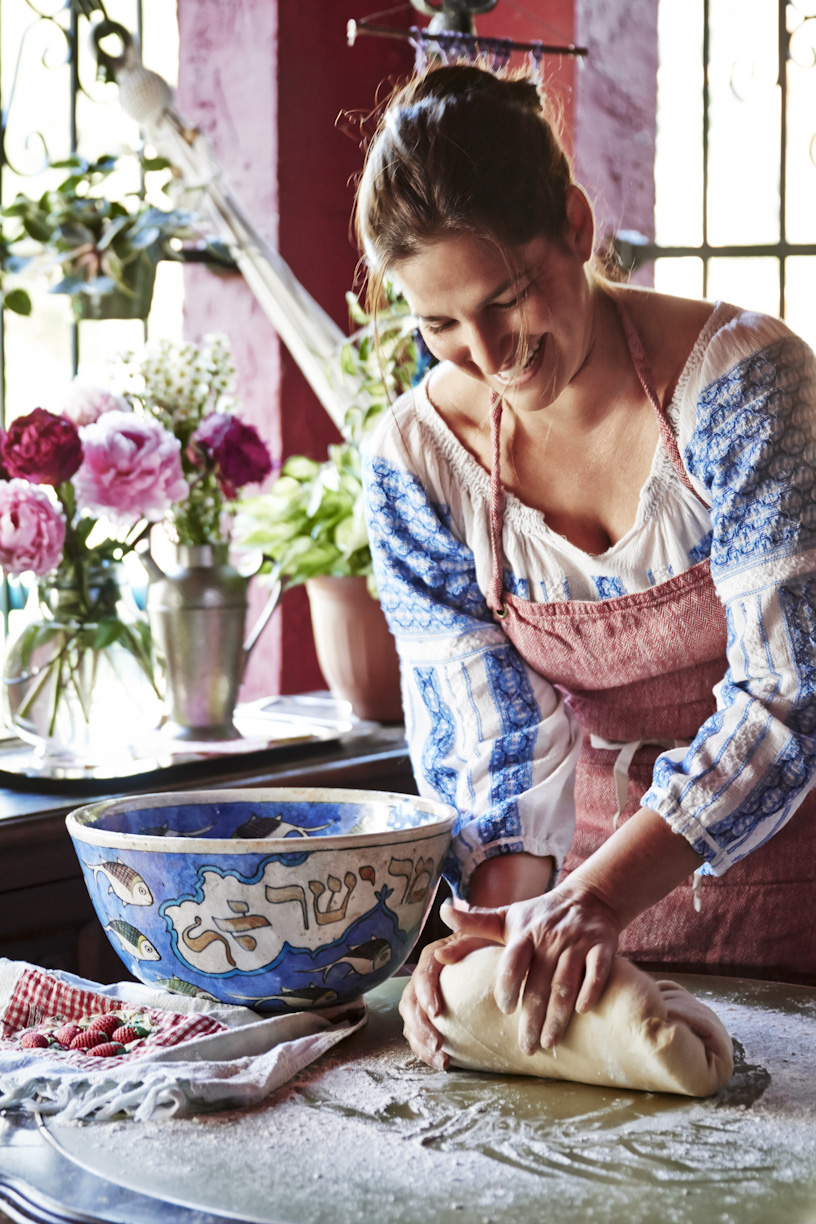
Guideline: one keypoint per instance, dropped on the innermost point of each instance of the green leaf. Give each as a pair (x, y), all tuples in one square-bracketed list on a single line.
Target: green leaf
[(116, 275), (155, 163), (18, 301), (37, 229), (356, 312), (108, 630), (300, 468), (69, 284)]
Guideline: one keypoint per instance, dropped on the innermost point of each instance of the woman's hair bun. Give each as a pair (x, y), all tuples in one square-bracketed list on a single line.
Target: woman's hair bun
[(461, 150), (463, 80)]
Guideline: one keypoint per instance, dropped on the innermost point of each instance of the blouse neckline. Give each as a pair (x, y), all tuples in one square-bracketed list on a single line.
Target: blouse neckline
[(652, 493)]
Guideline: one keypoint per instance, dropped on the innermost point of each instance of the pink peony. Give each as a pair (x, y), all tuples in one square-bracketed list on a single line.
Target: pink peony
[(42, 447), (131, 469), (86, 403), (32, 529), (236, 450)]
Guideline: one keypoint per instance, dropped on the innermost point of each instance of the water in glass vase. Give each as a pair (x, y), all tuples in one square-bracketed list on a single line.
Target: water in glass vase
[(78, 679)]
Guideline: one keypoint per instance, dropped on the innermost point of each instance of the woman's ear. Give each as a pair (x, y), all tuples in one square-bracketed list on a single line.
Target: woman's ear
[(580, 223)]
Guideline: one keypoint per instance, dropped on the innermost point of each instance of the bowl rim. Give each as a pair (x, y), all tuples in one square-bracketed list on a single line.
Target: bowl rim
[(78, 821)]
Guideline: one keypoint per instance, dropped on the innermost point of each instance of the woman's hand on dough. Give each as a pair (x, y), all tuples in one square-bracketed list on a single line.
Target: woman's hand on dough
[(558, 953), (422, 998)]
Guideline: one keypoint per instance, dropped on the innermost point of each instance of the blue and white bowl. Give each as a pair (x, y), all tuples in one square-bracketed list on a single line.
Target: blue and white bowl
[(281, 900)]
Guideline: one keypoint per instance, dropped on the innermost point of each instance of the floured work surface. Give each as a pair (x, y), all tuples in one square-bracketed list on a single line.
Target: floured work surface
[(371, 1133)]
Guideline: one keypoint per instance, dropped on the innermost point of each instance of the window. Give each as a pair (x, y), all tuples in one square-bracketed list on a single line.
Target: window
[(52, 106), (735, 168)]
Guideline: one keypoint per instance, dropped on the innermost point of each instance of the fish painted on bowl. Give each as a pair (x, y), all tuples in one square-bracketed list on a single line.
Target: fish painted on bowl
[(132, 940), (124, 882)]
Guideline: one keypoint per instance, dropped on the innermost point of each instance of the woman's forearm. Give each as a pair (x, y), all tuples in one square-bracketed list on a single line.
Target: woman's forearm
[(639, 865)]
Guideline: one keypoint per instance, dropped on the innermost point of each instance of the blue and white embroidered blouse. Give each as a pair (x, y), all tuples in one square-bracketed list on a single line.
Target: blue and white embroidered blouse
[(491, 737)]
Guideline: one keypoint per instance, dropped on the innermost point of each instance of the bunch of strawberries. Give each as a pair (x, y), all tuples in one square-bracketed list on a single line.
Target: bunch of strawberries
[(100, 1035)]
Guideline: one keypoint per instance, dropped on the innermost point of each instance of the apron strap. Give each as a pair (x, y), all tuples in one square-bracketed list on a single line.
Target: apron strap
[(644, 372), (496, 585)]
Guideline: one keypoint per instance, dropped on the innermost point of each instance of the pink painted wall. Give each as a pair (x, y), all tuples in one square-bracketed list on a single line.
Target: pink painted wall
[(615, 111), (228, 88)]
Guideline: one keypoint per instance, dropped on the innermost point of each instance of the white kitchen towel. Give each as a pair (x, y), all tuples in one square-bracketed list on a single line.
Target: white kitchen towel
[(188, 1053)]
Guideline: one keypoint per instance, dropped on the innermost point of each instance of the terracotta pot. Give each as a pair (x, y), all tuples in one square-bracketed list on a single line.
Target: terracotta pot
[(355, 650)]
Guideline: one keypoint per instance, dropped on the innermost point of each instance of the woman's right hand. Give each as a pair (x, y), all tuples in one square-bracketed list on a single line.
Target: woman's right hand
[(422, 998)]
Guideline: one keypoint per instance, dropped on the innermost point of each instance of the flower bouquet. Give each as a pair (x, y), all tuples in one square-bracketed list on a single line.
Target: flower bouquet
[(197, 601), (189, 390), (74, 500), (79, 492)]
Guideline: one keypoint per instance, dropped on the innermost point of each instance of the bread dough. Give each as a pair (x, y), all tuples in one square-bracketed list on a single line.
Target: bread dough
[(646, 1034)]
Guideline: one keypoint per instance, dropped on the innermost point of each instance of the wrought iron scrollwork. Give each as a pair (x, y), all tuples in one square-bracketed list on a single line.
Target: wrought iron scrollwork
[(43, 21)]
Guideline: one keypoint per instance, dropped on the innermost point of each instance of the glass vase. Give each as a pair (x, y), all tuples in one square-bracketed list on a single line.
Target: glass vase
[(78, 679)]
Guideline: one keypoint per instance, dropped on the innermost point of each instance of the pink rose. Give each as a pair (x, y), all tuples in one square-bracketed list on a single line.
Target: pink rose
[(86, 403), (32, 529), (131, 469), (236, 451), (42, 447)]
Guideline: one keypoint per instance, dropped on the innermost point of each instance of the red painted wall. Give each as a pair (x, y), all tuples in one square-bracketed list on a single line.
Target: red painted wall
[(551, 22), (319, 77)]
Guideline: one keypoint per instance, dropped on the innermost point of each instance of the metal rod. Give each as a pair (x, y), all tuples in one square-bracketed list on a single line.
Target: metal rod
[(706, 121), (778, 250), (784, 52), (73, 36), (355, 28)]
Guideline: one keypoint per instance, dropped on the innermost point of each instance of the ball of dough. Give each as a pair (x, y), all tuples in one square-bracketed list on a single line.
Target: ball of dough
[(645, 1034)]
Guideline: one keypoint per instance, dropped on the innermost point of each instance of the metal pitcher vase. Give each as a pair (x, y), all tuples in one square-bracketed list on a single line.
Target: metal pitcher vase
[(197, 610)]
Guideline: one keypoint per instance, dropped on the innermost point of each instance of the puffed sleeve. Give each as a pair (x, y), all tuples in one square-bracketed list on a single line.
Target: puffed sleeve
[(487, 735), (751, 451)]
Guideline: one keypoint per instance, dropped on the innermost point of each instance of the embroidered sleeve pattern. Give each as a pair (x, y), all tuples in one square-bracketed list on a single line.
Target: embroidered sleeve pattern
[(753, 762), (487, 735)]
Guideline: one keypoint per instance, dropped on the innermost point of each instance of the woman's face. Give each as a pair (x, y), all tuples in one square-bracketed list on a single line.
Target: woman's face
[(523, 330)]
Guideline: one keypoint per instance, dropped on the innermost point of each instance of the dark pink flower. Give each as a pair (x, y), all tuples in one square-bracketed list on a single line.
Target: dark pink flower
[(131, 469), (42, 447), (235, 450), (32, 529)]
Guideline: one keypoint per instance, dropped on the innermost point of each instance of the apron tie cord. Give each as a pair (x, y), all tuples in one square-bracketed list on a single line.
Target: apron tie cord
[(496, 585), (626, 752)]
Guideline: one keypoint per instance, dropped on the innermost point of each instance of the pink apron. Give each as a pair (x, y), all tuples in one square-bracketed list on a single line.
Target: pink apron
[(634, 670)]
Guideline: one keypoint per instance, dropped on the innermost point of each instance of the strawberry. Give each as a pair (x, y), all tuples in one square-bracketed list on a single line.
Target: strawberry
[(106, 1049), (33, 1041), (126, 1033), (66, 1033), (106, 1024), (87, 1040)]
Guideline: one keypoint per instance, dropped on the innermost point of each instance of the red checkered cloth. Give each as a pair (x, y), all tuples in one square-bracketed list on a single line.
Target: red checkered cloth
[(41, 1000)]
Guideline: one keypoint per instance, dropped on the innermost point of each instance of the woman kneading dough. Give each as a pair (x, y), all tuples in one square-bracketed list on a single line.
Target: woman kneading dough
[(593, 529)]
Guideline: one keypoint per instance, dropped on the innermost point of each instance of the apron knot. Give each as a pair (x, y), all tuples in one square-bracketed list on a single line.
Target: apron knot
[(626, 752)]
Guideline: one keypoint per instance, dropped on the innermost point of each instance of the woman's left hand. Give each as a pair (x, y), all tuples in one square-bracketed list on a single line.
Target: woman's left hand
[(559, 949), (560, 945)]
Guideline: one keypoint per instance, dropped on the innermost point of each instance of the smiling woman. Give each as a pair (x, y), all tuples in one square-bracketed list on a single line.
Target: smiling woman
[(593, 534)]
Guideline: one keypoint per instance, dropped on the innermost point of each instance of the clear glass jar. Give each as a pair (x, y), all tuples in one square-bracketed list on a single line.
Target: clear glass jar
[(78, 680)]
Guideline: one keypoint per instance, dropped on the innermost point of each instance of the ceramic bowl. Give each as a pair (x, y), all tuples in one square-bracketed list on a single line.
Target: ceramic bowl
[(281, 900)]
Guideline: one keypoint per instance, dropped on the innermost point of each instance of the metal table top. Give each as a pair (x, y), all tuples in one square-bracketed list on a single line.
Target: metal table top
[(369, 1132)]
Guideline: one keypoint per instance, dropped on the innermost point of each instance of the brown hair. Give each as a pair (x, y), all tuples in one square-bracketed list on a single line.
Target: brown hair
[(460, 150)]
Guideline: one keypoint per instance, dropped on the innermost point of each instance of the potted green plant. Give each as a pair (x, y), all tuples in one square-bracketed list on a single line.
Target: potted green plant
[(102, 251), (310, 525)]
